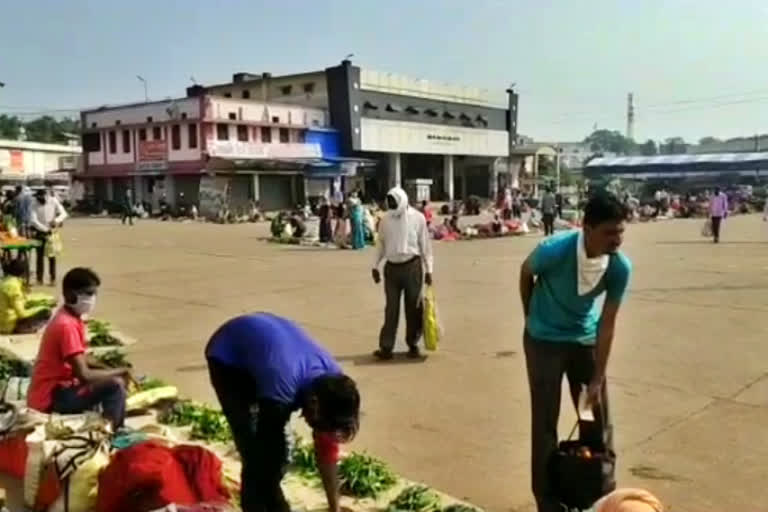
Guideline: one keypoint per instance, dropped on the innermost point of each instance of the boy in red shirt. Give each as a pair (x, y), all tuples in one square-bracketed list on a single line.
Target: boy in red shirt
[(62, 380)]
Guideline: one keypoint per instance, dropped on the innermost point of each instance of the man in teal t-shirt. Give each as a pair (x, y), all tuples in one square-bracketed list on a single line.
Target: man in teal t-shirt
[(566, 333)]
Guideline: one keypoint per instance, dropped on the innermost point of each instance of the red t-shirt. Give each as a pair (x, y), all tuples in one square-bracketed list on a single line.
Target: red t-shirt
[(63, 338)]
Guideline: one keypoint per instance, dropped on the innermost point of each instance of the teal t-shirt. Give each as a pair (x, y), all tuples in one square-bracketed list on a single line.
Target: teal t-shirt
[(557, 312)]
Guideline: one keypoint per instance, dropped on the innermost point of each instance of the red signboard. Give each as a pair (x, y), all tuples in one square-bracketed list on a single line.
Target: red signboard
[(153, 151), (17, 160)]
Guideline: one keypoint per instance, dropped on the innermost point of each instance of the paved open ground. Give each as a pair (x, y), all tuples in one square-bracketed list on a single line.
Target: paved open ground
[(689, 375)]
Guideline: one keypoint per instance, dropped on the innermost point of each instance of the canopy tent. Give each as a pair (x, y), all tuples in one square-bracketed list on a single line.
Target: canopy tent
[(675, 165)]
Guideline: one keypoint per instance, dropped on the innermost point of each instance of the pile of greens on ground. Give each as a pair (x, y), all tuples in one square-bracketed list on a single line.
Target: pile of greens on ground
[(207, 424), (460, 508), (13, 368), (416, 498), (150, 383), (113, 359), (101, 334), (364, 476), (303, 460), (41, 302)]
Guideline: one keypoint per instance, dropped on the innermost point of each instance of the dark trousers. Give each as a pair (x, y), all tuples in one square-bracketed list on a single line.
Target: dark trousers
[(547, 362), (402, 279), (41, 257), (128, 216), (549, 223), (258, 427), (716, 223), (110, 395)]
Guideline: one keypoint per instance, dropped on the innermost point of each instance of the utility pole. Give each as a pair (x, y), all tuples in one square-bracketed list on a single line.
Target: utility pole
[(630, 116), (143, 81)]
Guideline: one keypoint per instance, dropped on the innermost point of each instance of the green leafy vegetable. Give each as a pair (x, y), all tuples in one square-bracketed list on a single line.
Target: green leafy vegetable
[(207, 424), (13, 368), (101, 334), (41, 302), (150, 383), (460, 508), (303, 460), (113, 359), (416, 498), (364, 476)]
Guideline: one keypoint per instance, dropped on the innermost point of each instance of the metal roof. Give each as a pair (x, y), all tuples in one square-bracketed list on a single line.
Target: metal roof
[(706, 158)]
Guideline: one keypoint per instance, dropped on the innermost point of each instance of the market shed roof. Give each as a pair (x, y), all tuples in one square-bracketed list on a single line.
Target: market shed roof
[(709, 162)]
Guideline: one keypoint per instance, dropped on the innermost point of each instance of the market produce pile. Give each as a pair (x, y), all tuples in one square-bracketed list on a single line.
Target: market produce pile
[(367, 483)]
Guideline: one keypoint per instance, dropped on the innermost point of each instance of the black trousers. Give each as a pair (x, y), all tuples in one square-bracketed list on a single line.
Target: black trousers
[(716, 223), (41, 257), (402, 279), (258, 427), (549, 223), (547, 362)]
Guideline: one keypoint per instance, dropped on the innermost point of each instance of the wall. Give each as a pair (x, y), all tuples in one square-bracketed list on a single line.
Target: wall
[(274, 89), (408, 137), (138, 113), (265, 113), (21, 158)]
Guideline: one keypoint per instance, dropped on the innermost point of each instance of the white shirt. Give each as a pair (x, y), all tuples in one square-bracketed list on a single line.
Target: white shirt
[(45, 214), (417, 243)]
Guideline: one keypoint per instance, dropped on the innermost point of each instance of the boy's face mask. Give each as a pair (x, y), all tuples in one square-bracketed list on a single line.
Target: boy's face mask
[(85, 303)]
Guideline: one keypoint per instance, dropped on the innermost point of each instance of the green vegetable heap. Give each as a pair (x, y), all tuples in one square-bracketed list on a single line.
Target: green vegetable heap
[(101, 334), (416, 498), (207, 424), (364, 476)]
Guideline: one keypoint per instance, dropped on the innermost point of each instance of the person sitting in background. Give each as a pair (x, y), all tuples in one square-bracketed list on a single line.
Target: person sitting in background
[(62, 379), (47, 215), (15, 317)]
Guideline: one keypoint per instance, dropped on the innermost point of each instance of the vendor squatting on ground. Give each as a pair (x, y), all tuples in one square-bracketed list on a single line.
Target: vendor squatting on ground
[(405, 244), (565, 334), (263, 368), (62, 380)]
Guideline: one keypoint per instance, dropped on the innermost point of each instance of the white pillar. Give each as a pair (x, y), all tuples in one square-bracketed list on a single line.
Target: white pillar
[(395, 170), (493, 181), (513, 168), (255, 185), (448, 177)]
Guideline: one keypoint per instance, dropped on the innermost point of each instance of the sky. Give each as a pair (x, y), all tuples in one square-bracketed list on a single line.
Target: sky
[(696, 68)]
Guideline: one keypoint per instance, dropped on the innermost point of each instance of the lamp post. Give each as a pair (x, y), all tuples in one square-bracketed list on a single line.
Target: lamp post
[(143, 81)]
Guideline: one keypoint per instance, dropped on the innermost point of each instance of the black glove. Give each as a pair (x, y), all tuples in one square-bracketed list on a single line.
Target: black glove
[(376, 275), (428, 279)]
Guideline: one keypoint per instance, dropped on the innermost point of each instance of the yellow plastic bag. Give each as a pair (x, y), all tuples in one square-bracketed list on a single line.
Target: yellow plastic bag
[(433, 332), (54, 245)]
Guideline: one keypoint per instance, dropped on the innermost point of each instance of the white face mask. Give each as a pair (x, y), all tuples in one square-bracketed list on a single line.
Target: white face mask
[(85, 304)]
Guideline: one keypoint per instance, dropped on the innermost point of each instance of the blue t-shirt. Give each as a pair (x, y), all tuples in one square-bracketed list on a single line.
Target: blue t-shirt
[(557, 312), (281, 357)]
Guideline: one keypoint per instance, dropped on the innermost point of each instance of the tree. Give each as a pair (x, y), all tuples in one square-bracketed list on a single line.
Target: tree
[(10, 127), (674, 146), (609, 141), (648, 148)]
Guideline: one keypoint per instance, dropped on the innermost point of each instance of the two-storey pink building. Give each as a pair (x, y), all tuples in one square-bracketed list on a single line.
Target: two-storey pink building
[(203, 150)]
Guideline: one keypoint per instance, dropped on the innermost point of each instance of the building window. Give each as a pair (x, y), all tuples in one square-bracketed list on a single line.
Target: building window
[(266, 134), (309, 87), (192, 135), (285, 135), (176, 137), (246, 94), (91, 142), (242, 133), (117, 123), (112, 142), (222, 131), (227, 94), (300, 136), (94, 125), (286, 90), (183, 115), (275, 119), (142, 134), (149, 119), (233, 116), (157, 133), (126, 141)]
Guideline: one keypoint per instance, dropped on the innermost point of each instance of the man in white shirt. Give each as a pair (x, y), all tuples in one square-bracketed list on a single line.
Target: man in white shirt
[(405, 244), (47, 214)]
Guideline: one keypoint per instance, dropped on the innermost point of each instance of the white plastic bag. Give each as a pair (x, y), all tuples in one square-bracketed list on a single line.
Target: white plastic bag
[(706, 230)]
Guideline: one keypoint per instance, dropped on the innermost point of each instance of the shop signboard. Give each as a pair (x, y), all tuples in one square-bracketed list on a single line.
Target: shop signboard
[(152, 155)]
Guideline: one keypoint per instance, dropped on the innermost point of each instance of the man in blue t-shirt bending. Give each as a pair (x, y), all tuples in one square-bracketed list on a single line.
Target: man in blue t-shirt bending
[(263, 368), (565, 333)]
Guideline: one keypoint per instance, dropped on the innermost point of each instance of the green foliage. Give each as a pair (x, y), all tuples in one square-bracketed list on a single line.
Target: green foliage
[(101, 334), (364, 476), (150, 383), (416, 498), (43, 129), (113, 359), (460, 508), (303, 460), (41, 302), (648, 148), (13, 368), (610, 141), (207, 424)]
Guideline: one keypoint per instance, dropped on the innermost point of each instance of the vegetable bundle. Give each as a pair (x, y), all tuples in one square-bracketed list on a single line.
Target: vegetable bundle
[(303, 460), (113, 359), (207, 424), (101, 334), (13, 368), (364, 476), (416, 498)]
